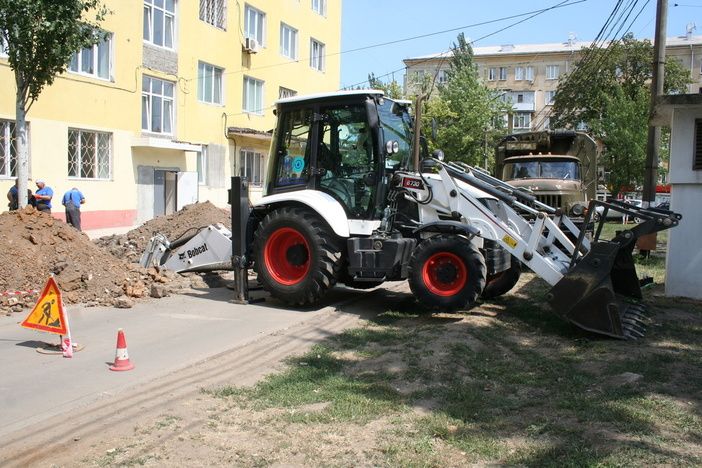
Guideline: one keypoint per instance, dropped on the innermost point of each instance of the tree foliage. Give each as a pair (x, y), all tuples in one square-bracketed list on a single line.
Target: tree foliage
[(466, 112), (609, 92), (392, 89), (39, 37)]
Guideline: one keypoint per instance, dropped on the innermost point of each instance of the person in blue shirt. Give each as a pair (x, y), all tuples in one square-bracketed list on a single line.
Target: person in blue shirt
[(72, 201), (14, 199), (43, 196)]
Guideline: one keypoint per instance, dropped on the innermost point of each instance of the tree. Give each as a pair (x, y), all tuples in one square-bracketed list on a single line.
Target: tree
[(40, 37), (392, 89), (609, 92), (468, 114)]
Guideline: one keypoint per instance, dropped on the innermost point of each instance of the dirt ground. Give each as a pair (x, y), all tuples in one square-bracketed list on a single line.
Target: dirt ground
[(180, 422), (100, 272)]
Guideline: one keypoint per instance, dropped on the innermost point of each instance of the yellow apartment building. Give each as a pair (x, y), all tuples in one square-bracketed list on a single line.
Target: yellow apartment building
[(528, 74), (175, 101)]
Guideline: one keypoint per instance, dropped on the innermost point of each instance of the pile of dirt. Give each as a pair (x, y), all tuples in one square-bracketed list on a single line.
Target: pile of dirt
[(131, 245), (35, 245)]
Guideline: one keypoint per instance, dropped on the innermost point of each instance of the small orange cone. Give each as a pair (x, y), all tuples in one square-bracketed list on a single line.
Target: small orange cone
[(122, 362)]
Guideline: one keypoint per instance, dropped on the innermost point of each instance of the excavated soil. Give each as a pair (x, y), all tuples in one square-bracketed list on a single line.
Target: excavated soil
[(131, 245), (101, 272)]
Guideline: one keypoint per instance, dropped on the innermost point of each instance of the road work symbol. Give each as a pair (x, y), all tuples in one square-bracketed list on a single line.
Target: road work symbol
[(48, 314)]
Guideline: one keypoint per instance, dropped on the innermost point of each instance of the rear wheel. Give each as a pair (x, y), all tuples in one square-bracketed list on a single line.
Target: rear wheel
[(502, 282), (446, 273), (296, 256)]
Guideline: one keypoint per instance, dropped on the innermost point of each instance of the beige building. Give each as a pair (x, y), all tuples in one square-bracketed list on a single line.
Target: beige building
[(528, 74)]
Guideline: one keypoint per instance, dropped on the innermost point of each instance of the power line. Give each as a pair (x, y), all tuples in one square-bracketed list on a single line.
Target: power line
[(564, 3)]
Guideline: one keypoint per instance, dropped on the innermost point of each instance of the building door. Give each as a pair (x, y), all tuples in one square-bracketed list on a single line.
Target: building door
[(173, 190)]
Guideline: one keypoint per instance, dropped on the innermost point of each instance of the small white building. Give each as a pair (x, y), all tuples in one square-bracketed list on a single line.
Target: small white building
[(683, 113)]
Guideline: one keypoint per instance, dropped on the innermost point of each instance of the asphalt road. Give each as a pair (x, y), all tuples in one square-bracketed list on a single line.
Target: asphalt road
[(162, 336)]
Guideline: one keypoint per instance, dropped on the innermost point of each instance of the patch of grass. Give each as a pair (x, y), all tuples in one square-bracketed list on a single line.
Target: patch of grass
[(360, 337), (316, 377)]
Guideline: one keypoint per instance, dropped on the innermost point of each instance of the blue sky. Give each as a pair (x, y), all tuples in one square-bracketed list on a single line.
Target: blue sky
[(369, 22)]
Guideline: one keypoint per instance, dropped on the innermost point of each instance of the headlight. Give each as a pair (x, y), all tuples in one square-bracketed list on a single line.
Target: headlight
[(577, 210)]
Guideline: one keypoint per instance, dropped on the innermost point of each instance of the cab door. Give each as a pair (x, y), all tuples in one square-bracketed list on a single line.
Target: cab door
[(345, 160)]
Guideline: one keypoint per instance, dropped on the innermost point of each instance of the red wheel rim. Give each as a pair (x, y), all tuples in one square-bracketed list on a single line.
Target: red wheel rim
[(444, 274), (281, 248)]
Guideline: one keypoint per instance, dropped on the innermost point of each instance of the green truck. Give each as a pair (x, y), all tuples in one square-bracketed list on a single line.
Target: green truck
[(559, 167)]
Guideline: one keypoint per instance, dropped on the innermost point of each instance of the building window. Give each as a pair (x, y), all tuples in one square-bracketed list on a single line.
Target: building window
[(529, 73), (8, 149), (88, 154), (442, 77), (255, 24), (288, 41), (547, 123), (317, 55), (520, 98), (209, 87), (550, 97), (503, 73), (518, 73), (95, 60), (286, 93), (552, 72), (202, 166), (157, 105), (253, 95), (320, 6), (251, 167), (214, 12), (521, 120), (697, 160), (492, 74), (159, 22)]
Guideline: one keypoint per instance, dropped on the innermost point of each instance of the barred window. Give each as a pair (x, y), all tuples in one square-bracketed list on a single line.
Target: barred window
[(286, 92), (214, 12), (8, 149), (88, 154)]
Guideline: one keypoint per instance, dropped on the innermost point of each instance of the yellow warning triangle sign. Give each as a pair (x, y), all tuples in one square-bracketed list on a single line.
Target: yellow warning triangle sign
[(48, 314)]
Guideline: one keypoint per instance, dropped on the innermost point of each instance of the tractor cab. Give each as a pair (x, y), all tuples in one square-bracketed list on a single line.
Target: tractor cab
[(342, 144)]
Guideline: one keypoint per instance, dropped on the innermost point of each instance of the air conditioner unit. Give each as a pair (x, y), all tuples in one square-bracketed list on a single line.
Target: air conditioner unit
[(251, 45)]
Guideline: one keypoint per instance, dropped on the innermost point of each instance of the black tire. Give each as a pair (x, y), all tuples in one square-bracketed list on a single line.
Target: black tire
[(446, 273), (501, 283), (296, 255)]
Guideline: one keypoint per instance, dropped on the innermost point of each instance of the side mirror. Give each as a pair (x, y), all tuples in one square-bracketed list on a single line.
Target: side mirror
[(438, 154)]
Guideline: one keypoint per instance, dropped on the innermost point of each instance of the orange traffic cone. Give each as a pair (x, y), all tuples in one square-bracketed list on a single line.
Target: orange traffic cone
[(122, 362)]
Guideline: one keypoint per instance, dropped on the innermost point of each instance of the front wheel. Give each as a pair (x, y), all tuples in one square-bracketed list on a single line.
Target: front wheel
[(296, 256), (446, 273), (502, 282)]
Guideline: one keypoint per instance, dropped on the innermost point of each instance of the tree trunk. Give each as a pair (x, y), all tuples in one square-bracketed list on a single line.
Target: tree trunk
[(22, 152)]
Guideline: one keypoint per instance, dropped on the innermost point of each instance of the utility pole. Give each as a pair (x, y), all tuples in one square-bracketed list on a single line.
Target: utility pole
[(654, 133), (648, 242)]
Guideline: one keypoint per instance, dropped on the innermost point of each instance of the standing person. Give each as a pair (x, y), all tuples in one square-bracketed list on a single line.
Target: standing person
[(72, 201), (14, 199), (43, 196)]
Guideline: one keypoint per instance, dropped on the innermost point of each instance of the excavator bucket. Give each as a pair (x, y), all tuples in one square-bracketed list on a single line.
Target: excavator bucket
[(601, 291)]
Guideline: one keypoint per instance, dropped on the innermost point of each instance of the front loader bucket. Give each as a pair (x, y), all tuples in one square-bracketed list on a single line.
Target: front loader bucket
[(593, 294), (601, 291)]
